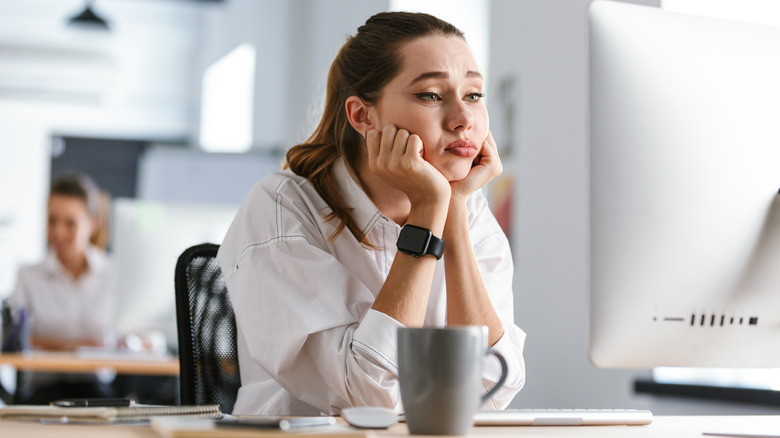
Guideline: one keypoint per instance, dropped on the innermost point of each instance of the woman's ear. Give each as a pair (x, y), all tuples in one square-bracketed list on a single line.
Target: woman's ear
[(360, 115)]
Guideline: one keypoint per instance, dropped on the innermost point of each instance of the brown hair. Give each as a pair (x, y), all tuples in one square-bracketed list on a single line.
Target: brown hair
[(364, 65)]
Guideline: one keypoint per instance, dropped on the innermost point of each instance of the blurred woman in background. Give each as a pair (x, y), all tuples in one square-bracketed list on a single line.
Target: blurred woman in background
[(69, 297)]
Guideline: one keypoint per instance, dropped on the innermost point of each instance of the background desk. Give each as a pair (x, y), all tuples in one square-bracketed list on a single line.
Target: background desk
[(150, 379), (662, 427), (72, 363)]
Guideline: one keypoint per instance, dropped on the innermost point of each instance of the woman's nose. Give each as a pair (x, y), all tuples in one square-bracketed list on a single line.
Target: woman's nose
[(459, 116), (56, 231)]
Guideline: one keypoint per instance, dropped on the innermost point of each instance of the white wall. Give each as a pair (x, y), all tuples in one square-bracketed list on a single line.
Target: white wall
[(24, 169), (132, 81), (177, 174), (265, 24), (542, 47), (325, 27), (296, 42)]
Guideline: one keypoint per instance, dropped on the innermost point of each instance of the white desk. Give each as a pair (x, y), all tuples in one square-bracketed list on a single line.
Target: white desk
[(662, 427)]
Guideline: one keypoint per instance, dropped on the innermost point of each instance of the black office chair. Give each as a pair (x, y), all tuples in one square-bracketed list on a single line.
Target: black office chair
[(208, 357)]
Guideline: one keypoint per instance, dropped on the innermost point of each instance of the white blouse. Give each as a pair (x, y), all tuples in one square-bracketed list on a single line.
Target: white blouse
[(308, 340), (61, 307)]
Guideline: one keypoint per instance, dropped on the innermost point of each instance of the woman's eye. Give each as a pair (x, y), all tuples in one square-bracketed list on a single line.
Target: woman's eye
[(474, 97), (429, 97)]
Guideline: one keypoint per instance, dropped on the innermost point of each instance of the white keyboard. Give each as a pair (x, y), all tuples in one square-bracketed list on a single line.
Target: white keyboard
[(563, 417)]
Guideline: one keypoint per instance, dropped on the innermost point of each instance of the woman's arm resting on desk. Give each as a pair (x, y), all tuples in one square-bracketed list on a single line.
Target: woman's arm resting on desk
[(489, 249), (468, 302), (314, 332)]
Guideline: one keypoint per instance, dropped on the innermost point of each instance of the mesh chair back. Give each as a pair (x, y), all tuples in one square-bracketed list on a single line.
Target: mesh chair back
[(208, 356)]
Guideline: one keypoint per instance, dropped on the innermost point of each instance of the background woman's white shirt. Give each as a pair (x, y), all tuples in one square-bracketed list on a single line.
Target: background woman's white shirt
[(308, 339), (64, 308)]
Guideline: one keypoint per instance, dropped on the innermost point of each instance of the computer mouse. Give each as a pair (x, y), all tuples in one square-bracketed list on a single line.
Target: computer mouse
[(370, 417)]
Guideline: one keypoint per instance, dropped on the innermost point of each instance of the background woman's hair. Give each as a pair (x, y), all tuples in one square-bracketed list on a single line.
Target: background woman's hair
[(81, 186), (364, 65)]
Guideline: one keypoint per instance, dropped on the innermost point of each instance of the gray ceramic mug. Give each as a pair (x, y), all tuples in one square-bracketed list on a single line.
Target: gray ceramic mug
[(439, 370)]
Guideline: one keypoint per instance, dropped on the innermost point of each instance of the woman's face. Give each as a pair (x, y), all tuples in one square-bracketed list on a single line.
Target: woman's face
[(69, 225), (438, 96)]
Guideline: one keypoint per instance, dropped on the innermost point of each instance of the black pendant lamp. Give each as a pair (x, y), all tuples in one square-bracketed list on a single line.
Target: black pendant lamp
[(88, 19)]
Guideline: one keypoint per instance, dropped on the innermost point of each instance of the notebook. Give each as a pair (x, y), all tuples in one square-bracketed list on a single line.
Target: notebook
[(105, 415), (564, 417)]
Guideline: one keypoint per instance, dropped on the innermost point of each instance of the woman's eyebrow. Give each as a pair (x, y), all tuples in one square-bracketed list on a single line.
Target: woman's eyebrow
[(442, 75)]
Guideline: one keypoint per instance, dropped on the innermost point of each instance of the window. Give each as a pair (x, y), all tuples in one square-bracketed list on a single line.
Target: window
[(227, 102)]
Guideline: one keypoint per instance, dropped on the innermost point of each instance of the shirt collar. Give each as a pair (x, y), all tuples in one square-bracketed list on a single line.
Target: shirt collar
[(95, 261), (52, 264), (364, 211)]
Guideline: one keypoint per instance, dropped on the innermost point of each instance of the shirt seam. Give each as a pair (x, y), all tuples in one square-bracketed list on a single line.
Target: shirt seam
[(280, 236), (482, 240), (385, 255), (376, 354), (278, 201), (284, 238), (372, 222), (490, 399)]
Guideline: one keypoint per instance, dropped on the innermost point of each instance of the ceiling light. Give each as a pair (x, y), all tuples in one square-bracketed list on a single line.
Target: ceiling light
[(88, 19)]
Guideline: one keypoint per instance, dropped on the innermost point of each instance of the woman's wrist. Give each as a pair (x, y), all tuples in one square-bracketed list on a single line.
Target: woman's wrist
[(457, 219), (431, 215)]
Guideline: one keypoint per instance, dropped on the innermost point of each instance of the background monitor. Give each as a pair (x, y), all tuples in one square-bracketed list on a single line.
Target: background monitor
[(148, 237), (685, 172)]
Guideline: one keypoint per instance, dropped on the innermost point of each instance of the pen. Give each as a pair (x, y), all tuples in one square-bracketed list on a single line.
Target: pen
[(92, 402)]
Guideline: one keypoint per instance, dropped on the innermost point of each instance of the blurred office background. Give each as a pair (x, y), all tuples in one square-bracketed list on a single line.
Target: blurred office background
[(177, 106)]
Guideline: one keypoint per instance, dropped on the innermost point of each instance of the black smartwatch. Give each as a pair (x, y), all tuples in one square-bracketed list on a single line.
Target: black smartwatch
[(418, 241)]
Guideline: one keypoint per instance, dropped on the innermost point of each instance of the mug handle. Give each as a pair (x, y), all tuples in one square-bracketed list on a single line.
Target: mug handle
[(501, 380)]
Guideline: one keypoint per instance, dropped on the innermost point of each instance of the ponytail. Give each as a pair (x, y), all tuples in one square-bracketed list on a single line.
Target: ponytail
[(316, 158)]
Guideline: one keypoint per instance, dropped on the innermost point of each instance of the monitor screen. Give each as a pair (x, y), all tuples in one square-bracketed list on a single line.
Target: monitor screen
[(685, 172), (147, 239)]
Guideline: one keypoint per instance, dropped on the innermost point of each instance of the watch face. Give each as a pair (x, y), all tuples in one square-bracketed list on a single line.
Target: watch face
[(414, 239)]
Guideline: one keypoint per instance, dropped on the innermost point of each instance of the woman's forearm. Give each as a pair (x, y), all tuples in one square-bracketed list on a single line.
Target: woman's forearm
[(468, 302), (404, 295)]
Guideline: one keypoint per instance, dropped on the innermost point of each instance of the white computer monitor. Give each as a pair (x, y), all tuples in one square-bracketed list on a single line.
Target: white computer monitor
[(147, 239), (685, 172)]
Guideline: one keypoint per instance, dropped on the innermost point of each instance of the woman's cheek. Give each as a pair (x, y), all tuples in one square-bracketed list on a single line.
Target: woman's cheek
[(486, 126)]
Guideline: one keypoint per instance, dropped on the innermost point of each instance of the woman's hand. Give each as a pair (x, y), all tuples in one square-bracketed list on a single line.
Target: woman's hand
[(396, 156), (486, 166)]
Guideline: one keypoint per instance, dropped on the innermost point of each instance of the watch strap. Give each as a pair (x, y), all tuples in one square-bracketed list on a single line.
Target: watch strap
[(435, 247)]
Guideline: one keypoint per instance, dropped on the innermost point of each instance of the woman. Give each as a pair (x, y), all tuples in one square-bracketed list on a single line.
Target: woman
[(325, 261), (69, 297)]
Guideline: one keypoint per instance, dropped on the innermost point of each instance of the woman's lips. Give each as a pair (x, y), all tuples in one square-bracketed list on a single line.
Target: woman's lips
[(462, 148)]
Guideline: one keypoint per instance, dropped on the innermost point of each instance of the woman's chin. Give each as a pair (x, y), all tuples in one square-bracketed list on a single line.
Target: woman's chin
[(455, 174), (66, 252)]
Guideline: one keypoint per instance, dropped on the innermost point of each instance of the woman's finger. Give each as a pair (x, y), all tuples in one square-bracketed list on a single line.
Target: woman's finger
[(399, 143), (414, 146)]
